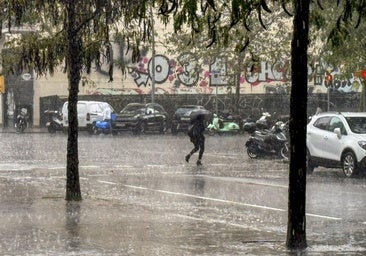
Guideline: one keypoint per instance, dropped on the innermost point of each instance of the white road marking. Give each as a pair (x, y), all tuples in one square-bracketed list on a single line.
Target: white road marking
[(107, 182), (244, 180), (57, 168), (124, 166), (220, 200), (90, 166), (216, 221)]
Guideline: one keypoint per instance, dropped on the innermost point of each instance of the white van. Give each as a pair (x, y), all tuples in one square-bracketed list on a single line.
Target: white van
[(88, 113)]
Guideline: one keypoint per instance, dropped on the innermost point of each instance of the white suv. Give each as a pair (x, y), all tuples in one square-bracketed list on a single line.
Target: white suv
[(337, 139), (88, 113)]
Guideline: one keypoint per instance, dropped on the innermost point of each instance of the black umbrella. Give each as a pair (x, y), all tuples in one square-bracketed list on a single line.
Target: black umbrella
[(206, 114)]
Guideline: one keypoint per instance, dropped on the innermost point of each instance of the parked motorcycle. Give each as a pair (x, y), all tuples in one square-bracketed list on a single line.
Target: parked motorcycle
[(268, 143), (103, 127), (21, 122), (54, 121), (221, 125), (265, 122), (249, 125)]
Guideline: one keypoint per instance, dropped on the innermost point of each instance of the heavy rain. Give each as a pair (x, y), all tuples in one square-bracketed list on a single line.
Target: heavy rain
[(182, 127), (140, 197)]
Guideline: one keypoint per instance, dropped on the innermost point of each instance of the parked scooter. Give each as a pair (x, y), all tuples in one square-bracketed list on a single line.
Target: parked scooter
[(220, 125), (268, 143), (21, 121), (249, 125), (54, 121), (104, 127), (265, 122)]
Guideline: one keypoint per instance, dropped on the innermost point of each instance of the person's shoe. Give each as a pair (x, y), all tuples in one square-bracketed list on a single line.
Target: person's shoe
[(199, 163), (187, 158)]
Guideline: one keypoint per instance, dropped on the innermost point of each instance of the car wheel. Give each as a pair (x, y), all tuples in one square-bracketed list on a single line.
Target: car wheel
[(285, 152), (91, 130), (174, 130), (349, 164), (51, 129), (309, 166), (252, 153), (143, 127)]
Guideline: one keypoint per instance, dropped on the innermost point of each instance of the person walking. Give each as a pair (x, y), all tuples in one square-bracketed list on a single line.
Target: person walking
[(196, 136), (107, 116)]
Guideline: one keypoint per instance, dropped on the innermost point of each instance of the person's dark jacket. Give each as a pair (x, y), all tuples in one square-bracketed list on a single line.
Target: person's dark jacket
[(197, 129)]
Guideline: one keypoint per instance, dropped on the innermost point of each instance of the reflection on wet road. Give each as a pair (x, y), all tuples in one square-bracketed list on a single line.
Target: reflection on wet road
[(145, 191)]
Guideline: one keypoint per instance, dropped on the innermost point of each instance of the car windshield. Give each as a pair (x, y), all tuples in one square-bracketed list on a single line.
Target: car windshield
[(133, 109), (357, 124), (182, 111)]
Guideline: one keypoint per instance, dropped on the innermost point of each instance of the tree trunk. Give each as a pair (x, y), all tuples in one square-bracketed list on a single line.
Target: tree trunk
[(74, 66), (296, 229), (237, 83)]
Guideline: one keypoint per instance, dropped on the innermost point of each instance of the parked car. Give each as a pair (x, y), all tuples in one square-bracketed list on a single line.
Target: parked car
[(88, 113), (337, 140), (140, 118), (182, 118)]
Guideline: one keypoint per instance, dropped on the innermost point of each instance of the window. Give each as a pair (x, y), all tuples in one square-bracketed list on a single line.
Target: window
[(336, 122), (81, 108), (357, 124), (322, 123)]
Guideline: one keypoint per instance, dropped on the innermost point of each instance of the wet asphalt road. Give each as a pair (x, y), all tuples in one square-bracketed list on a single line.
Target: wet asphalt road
[(142, 198)]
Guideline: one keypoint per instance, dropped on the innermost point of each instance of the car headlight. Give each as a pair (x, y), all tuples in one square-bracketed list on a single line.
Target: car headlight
[(362, 144)]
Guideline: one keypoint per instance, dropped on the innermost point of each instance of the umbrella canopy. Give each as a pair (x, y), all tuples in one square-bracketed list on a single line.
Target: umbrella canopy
[(206, 114)]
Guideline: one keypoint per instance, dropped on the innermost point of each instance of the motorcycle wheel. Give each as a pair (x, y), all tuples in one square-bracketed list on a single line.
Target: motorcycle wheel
[(95, 130), (285, 153), (211, 131), (51, 129), (20, 128), (252, 153)]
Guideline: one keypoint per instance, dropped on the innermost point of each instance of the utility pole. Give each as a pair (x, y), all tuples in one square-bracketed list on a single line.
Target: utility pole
[(152, 57)]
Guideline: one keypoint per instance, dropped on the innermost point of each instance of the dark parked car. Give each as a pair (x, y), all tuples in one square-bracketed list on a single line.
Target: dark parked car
[(141, 118), (182, 117)]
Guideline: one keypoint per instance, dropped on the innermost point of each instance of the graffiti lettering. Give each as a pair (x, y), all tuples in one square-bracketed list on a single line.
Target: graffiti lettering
[(188, 74), (218, 71), (185, 70), (162, 68), (277, 72)]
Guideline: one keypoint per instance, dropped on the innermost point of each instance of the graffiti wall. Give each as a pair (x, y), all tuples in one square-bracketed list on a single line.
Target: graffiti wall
[(185, 75)]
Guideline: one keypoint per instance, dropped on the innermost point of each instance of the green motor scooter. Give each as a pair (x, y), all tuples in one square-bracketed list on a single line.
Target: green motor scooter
[(219, 126)]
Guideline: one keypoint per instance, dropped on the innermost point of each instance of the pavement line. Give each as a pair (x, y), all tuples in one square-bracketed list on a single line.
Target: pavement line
[(124, 166), (107, 182), (244, 180), (323, 216), (216, 221), (90, 166), (57, 168), (227, 201), (205, 198)]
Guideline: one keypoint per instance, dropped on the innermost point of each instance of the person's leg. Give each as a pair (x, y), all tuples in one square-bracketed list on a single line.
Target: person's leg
[(194, 150), (110, 125), (202, 149)]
